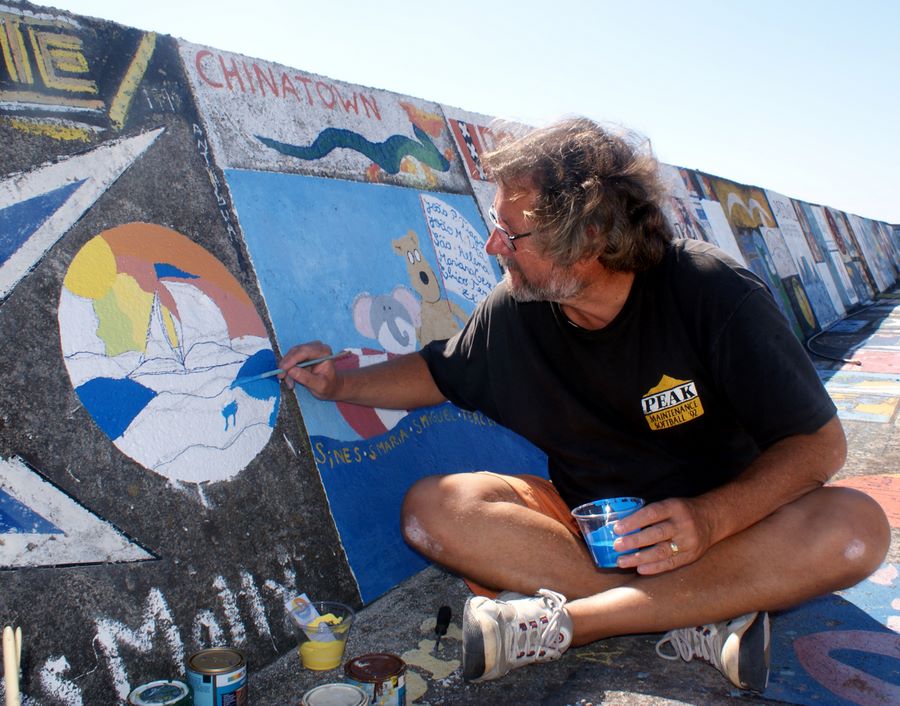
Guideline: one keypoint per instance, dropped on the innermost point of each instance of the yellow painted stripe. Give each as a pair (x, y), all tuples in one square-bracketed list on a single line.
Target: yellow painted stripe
[(118, 109), (57, 132), (7, 54), (39, 58), (14, 52)]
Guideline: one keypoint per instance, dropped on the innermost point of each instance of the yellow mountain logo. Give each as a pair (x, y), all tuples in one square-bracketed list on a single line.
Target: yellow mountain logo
[(670, 403)]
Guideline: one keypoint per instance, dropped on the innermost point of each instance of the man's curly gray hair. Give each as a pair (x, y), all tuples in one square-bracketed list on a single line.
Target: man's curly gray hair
[(587, 176)]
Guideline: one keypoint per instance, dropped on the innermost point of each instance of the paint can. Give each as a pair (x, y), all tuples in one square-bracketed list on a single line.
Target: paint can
[(381, 675), (163, 692), (218, 677), (335, 695)]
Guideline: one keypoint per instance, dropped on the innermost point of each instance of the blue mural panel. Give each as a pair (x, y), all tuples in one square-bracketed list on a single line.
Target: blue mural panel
[(376, 270)]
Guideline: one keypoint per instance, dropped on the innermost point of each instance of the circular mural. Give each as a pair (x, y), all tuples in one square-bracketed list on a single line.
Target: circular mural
[(158, 339)]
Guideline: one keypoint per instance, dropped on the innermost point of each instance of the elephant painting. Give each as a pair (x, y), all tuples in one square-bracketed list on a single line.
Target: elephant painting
[(392, 319)]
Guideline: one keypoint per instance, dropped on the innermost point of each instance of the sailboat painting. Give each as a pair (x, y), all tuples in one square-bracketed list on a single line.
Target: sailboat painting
[(154, 332)]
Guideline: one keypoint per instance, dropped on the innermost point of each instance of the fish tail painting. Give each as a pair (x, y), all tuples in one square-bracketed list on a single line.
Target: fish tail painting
[(388, 154)]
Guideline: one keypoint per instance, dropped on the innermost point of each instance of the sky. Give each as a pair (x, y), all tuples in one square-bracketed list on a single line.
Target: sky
[(798, 96)]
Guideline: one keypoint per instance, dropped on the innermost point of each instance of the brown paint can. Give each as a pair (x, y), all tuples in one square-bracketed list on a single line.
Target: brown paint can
[(381, 675)]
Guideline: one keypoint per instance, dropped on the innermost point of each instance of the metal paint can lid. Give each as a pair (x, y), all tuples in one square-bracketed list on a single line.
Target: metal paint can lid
[(375, 667), (163, 692), (216, 660), (335, 695)]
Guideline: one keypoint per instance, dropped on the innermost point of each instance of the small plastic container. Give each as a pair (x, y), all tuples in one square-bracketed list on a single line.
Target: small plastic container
[(321, 640), (597, 521)]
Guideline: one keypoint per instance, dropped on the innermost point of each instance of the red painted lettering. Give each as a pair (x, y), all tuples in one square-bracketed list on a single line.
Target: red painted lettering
[(201, 55), (347, 103), (288, 87), (240, 75), (228, 74), (263, 81), (319, 87), (249, 77), (305, 81), (373, 105)]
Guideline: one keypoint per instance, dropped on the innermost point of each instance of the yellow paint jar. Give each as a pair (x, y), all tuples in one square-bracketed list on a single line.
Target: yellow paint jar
[(322, 640), (322, 655)]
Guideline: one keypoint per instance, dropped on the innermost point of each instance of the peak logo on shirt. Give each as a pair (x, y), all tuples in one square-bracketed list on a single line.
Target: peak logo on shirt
[(670, 403)]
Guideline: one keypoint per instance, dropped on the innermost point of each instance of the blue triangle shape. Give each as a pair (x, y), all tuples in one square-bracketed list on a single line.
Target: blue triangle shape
[(20, 221), (21, 519)]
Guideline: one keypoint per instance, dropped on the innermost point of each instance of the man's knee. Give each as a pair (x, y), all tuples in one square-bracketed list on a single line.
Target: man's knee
[(435, 507), (421, 495), (420, 512), (863, 531)]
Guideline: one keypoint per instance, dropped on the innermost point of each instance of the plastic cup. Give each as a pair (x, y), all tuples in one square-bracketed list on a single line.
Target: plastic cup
[(321, 641), (597, 519)]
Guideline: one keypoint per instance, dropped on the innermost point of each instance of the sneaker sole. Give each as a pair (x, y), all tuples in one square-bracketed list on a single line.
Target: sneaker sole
[(753, 672), (472, 645)]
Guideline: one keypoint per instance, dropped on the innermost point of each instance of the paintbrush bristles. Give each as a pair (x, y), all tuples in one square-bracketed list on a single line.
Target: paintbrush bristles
[(302, 364)]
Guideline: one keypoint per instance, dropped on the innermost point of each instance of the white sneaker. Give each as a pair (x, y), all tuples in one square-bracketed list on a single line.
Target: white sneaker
[(738, 648), (511, 631)]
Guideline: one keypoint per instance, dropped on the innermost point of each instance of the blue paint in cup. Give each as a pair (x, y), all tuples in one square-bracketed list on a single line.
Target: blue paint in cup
[(597, 520)]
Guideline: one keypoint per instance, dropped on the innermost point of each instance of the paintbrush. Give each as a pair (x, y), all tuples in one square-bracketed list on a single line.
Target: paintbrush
[(303, 364), (12, 656)]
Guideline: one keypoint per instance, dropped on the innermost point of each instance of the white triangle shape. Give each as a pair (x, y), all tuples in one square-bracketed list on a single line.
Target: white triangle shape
[(85, 538), (99, 168)]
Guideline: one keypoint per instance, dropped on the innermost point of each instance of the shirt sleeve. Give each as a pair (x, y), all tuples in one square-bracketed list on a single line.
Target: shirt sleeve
[(766, 374), (459, 365)]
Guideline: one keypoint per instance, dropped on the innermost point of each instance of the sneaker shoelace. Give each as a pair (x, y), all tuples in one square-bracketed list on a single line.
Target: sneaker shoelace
[(536, 636), (703, 641)]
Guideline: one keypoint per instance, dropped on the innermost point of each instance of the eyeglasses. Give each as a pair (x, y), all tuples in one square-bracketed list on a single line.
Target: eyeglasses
[(508, 237)]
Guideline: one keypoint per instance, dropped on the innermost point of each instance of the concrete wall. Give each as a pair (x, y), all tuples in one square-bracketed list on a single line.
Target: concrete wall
[(174, 216)]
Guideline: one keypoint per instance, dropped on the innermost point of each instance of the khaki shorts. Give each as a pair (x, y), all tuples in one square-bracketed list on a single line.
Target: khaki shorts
[(540, 495)]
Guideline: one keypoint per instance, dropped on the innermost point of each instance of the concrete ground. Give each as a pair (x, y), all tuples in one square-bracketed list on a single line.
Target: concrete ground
[(626, 670)]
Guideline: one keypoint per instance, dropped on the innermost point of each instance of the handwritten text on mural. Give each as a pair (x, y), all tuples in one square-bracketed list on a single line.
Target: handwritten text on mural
[(359, 453), (460, 251)]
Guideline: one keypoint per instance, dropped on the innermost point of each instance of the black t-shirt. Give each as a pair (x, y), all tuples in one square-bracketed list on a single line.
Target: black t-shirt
[(677, 395)]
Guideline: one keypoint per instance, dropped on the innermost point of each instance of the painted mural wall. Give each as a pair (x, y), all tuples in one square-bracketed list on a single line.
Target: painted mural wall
[(138, 475), (172, 218)]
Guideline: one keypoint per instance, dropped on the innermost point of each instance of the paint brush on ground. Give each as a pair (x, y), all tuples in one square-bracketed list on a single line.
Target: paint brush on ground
[(441, 625), (11, 658), (304, 364)]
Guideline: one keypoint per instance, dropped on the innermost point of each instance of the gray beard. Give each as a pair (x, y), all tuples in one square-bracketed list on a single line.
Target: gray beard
[(559, 287)]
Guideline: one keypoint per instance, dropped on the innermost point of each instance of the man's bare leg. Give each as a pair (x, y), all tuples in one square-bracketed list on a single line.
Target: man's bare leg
[(475, 524), (795, 554)]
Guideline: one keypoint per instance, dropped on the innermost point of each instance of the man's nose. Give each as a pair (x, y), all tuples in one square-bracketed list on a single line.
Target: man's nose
[(495, 244)]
